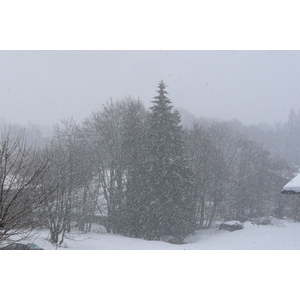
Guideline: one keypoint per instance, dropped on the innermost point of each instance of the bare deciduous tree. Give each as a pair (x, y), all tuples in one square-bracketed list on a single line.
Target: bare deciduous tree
[(22, 169), (210, 174), (110, 133)]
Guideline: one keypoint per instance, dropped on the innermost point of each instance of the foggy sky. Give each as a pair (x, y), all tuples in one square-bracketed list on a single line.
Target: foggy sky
[(44, 87)]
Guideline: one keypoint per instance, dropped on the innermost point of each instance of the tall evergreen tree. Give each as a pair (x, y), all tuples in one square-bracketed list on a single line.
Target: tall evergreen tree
[(170, 210)]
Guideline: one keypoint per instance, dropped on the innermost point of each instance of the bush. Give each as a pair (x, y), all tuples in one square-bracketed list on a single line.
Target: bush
[(231, 225)]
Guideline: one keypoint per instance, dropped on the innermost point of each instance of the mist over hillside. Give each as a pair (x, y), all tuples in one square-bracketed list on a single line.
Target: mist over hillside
[(280, 138)]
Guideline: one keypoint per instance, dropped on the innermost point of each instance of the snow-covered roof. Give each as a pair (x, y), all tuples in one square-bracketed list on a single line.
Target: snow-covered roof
[(292, 187)]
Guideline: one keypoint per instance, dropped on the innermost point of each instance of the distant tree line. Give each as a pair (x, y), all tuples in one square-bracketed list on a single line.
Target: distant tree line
[(141, 173)]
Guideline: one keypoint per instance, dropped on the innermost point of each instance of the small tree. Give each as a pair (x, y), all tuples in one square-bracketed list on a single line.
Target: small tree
[(68, 173)]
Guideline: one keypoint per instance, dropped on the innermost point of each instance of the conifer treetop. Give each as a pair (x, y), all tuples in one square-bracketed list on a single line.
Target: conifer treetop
[(161, 97)]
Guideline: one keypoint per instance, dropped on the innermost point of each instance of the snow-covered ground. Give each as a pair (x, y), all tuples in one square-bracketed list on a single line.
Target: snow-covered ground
[(282, 235), (159, 274)]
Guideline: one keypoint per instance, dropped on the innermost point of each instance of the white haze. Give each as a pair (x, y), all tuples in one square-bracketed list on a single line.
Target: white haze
[(44, 87)]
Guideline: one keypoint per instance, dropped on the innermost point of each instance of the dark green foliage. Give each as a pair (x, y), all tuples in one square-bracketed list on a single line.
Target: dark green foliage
[(169, 210)]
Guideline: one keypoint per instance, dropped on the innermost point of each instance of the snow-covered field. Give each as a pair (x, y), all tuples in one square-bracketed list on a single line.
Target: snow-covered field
[(281, 235), (160, 274)]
